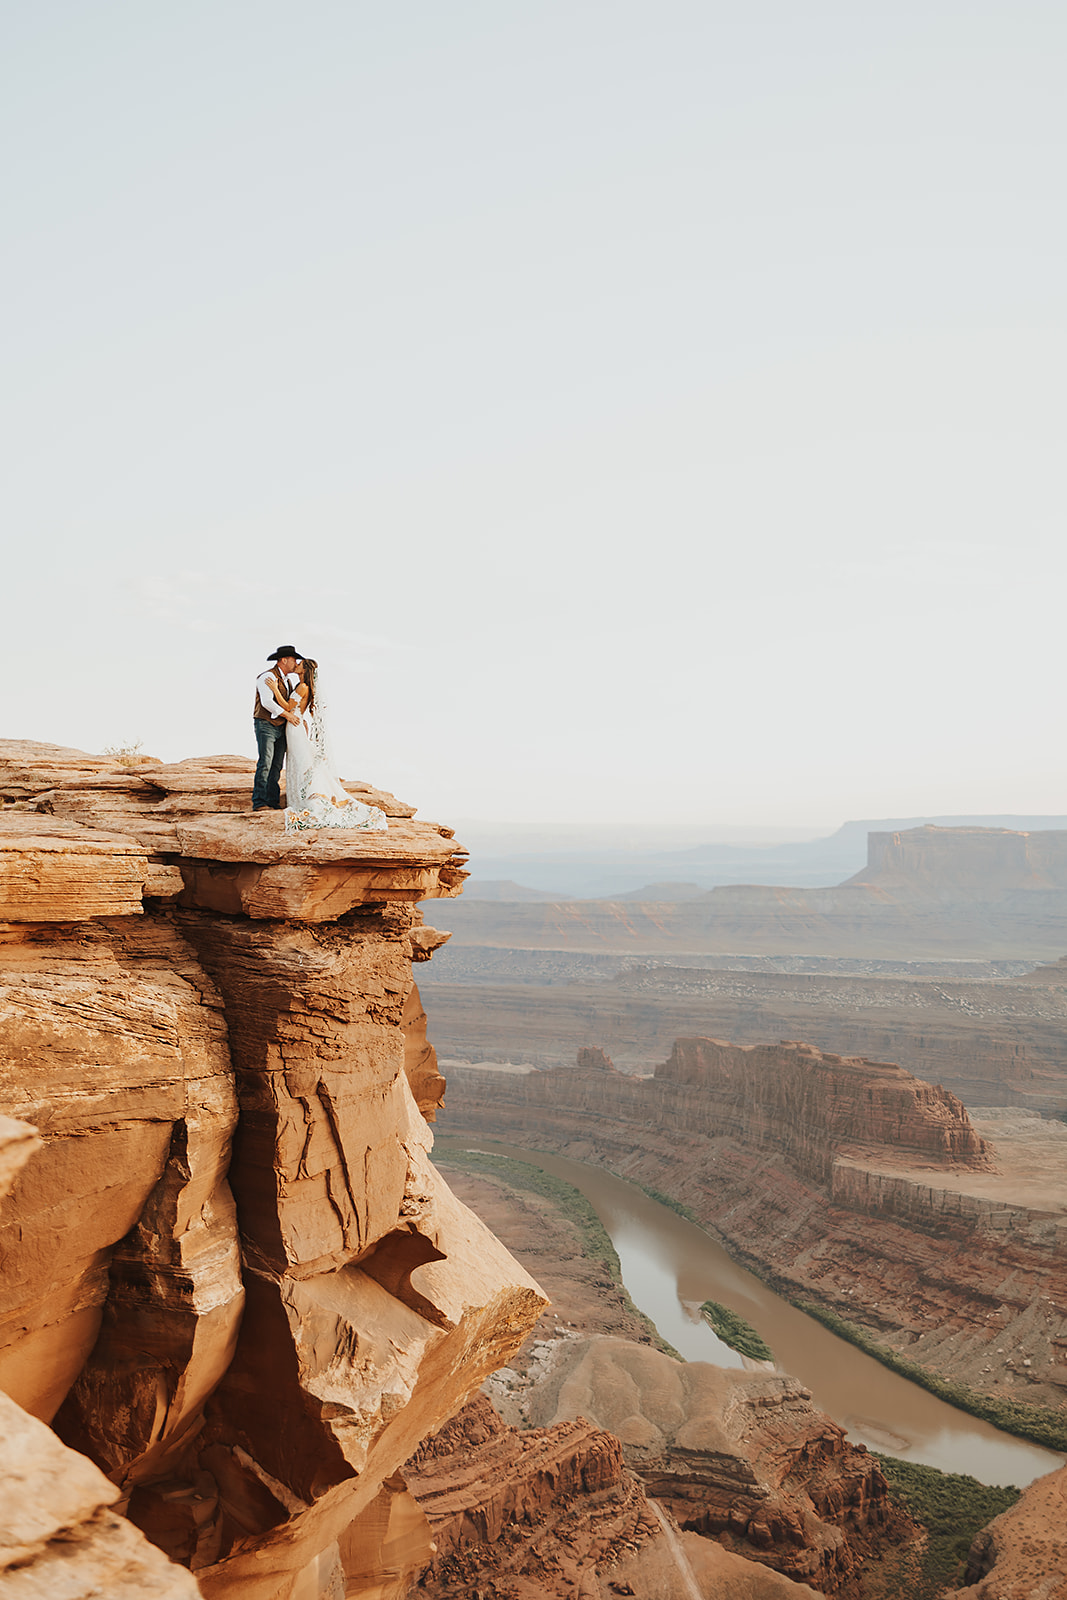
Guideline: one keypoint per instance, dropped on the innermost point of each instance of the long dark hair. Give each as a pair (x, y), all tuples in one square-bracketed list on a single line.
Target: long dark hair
[(310, 669)]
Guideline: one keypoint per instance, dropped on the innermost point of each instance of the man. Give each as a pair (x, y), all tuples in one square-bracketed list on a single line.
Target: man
[(274, 710)]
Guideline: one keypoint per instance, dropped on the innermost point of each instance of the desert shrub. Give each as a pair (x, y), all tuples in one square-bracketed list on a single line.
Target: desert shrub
[(672, 1205), (127, 755), (952, 1507)]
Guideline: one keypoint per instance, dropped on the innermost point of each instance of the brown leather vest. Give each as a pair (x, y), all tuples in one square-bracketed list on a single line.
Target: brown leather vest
[(260, 711)]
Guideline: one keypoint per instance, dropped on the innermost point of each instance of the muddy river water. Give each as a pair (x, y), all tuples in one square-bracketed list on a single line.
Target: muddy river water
[(671, 1266)]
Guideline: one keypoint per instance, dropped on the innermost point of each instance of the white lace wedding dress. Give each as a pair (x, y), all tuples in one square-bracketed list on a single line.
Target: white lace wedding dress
[(315, 796)]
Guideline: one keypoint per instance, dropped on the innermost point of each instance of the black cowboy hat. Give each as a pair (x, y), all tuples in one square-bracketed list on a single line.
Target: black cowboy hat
[(286, 650)]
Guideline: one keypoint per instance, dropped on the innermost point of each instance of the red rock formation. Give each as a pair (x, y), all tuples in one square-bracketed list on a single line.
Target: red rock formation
[(992, 1041), (229, 1272), (549, 1510), (742, 1457), (58, 1533), (420, 1057), (813, 1107), (552, 1514)]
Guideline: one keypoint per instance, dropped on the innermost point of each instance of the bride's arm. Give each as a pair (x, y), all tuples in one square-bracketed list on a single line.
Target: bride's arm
[(277, 686)]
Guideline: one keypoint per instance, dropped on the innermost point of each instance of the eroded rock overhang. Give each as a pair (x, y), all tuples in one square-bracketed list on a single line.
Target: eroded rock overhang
[(84, 836)]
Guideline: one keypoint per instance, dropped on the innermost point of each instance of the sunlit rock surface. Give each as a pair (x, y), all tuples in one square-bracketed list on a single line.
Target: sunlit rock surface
[(228, 1273)]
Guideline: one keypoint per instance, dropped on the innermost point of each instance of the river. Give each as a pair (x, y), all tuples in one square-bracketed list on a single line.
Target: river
[(670, 1266)]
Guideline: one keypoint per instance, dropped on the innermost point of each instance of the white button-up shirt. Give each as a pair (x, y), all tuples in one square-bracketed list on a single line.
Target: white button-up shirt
[(267, 698)]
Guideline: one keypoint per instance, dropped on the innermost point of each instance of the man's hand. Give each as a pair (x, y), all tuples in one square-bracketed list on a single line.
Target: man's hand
[(291, 716)]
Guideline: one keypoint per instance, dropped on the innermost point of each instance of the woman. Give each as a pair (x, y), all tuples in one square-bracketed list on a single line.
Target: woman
[(315, 795)]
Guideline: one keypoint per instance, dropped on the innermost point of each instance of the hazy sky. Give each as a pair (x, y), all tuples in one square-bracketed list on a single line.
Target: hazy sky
[(642, 411)]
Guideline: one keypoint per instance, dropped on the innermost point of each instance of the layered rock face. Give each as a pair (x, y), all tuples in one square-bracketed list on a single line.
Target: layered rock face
[(543, 1509), (553, 1513), (812, 1107), (848, 1182), (986, 865), (992, 1037), (230, 1276)]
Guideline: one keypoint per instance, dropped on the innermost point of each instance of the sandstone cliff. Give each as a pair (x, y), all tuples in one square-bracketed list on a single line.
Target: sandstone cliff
[(984, 865), (992, 1040), (554, 1514), (542, 1510), (229, 1274), (814, 1108), (59, 1536)]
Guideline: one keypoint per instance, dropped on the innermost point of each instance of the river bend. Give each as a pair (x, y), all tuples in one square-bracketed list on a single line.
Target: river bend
[(670, 1266)]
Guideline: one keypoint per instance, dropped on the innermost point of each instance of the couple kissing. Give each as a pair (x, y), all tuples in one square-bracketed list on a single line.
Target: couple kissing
[(289, 718)]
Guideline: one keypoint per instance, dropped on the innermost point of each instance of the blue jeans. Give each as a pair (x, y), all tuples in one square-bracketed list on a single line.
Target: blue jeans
[(270, 742)]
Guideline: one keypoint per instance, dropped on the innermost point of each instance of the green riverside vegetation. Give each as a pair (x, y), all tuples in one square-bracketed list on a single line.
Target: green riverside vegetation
[(951, 1507), (665, 1200), (1039, 1423), (735, 1331), (596, 1242)]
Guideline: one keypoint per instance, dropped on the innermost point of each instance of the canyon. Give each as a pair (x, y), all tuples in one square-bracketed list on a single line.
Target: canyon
[(945, 955), (743, 1457), (944, 1243), (244, 1320), (993, 1039), (846, 1183)]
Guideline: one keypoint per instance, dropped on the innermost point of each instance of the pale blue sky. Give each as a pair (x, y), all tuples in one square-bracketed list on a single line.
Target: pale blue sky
[(642, 411)]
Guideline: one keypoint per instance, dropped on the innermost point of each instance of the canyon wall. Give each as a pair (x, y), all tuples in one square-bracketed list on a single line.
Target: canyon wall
[(944, 954), (984, 865), (812, 1108), (740, 1457), (229, 1274)]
